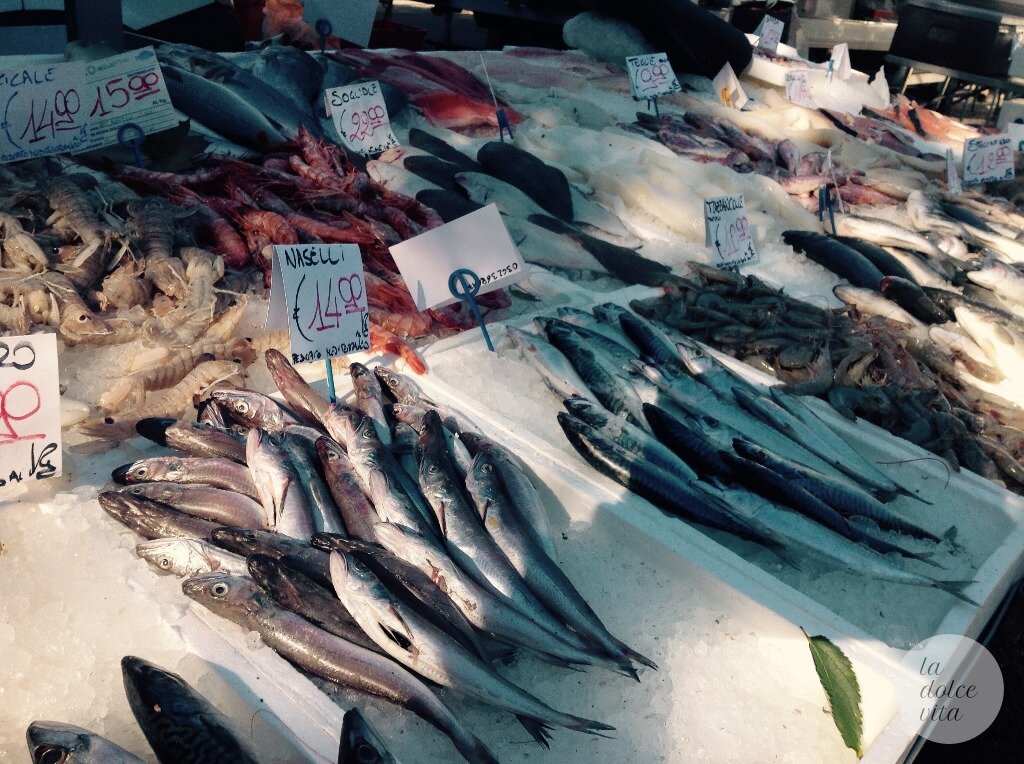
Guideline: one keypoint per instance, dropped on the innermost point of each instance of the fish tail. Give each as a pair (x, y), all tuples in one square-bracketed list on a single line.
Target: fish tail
[(633, 655), (580, 724), (955, 588), (475, 752), (538, 730)]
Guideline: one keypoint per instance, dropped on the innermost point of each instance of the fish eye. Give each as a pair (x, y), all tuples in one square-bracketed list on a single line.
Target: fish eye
[(219, 589), (83, 318), (241, 407), (141, 472), (486, 468), (137, 491), (332, 455), (50, 754), (366, 753), (433, 469), (164, 562)]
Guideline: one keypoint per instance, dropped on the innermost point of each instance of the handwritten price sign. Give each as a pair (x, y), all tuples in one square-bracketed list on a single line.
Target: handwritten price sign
[(769, 34), (361, 117), (318, 292), (79, 106), (798, 88), (727, 88), (727, 231), (651, 76), (988, 159), (29, 409)]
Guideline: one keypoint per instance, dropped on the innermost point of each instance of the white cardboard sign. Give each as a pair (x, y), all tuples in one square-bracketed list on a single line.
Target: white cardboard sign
[(478, 241), (798, 88), (727, 88), (953, 184), (727, 231), (769, 34), (1016, 132), (351, 20), (361, 117), (988, 159), (30, 443), (651, 76), (840, 59), (79, 106), (318, 292)]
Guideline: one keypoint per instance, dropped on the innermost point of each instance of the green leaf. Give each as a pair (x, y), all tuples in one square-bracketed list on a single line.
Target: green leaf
[(840, 683)]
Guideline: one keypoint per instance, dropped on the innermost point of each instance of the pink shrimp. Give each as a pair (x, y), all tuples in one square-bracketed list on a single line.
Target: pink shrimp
[(383, 341), (404, 323), (331, 234), (194, 178)]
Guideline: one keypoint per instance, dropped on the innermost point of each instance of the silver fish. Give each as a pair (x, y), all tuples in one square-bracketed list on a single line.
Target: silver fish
[(254, 409), (216, 472), (214, 504), (328, 656), (429, 652), (369, 400), (279, 486), (552, 366), (187, 557), (59, 743)]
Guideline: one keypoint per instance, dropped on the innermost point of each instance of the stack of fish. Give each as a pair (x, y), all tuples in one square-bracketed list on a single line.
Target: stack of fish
[(180, 725), (367, 544), (705, 139), (665, 419), (876, 360)]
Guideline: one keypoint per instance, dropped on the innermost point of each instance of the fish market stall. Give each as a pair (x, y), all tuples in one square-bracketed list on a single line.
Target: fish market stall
[(708, 481)]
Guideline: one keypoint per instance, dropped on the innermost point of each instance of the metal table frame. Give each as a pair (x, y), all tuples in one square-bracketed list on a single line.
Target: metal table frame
[(999, 85)]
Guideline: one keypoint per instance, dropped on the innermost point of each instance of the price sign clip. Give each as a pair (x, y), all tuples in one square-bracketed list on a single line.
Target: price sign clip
[(503, 125), (323, 30), (131, 136), (825, 204), (464, 285)]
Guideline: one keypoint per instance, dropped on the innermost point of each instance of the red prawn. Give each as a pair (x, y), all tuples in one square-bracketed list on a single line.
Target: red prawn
[(383, 341), (403, 324), (194, 178), (226, 241), (331, 234)]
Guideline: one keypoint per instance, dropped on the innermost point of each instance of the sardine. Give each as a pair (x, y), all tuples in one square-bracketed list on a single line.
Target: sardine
[(179, 723)]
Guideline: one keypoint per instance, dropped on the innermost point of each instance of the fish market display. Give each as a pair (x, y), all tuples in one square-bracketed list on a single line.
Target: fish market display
[(647, 406), (369, 560), (874, 360)]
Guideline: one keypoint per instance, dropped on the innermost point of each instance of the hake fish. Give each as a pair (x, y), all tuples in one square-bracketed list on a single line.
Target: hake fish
[(59, 743), (279, 487), (330, 657), (188, 556), (215, 472)]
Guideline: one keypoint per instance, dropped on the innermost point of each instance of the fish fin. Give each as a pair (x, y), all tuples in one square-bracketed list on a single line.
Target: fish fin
[(399, 631), (955, 588), (538, 730), (639, 658), (442, 519)]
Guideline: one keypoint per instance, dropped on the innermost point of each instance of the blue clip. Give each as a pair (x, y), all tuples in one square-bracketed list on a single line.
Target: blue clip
[(825, 203), (323, 28), (470, 284), (330, 380), (503, 125), (130, 136)]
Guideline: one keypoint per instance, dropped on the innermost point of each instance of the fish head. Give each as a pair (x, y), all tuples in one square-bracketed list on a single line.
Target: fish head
[(121, 508), (212, 413), (361, 375), (179, 556), (154, 694), (481, 478), (249, 408), (584, 409), (269, 573), (233, 597), (432, 435), (474, 442), (360, 742), (397, 387), (609, 313), (332, 456), (353, 581), (243, 541), (59, 743), (432, 473), (411, 414), (160, 491), (694, 357)]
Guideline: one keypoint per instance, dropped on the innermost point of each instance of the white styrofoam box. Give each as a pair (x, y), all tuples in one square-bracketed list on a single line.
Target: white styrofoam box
[(992, 529), (1012, 108)]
